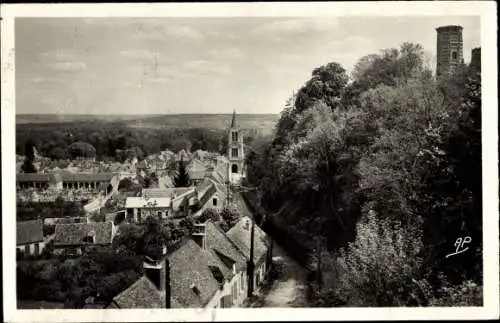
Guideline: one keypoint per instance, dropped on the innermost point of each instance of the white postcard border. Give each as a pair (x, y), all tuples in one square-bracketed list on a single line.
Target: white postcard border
[(486, 10)]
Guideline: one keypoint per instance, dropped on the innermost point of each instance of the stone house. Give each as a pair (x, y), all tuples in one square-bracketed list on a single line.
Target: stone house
[(187, 277), (240, 235), (74, 238), (214, 240)]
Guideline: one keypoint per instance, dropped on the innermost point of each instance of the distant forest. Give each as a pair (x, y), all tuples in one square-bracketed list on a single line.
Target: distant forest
[(119, 140)]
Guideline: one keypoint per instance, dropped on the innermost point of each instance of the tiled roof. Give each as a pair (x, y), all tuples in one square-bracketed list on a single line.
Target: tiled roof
[(33, 177), (196, 174), (207, 194), (165, 192), (29, 232), (53, 221), (189, 267), (87, 177), (196, 164), (240, 235), (217, 240), (73, 234), (141, 294)]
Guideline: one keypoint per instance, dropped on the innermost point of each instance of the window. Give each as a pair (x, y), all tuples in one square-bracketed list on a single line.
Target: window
[(234, 293), (234, 168), (214, 202), (234, 152), (234, 136), (88, 239), (454, 55)]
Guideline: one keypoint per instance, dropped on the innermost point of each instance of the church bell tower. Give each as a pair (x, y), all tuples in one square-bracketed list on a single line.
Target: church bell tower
[(235, 153)]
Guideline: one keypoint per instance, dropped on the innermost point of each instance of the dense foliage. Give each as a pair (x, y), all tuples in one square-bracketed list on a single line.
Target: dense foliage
[(225, 218), (115, 140), (39, 210), (98, 274), (387, 169)]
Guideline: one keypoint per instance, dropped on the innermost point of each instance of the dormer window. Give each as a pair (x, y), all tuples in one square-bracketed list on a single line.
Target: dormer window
[(195, 289), (89, 238)]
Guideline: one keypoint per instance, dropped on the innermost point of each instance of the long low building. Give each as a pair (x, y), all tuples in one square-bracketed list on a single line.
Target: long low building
[(66, 180)]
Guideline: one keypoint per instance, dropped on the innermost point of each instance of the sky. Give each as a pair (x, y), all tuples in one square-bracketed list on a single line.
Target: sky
[(197, 65)]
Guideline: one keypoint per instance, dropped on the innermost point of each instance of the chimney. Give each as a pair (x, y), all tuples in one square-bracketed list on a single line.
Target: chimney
[(199, 234), (158, 271)]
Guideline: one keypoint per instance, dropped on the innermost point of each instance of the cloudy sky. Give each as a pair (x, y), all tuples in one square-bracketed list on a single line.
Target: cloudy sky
[(196, 65)]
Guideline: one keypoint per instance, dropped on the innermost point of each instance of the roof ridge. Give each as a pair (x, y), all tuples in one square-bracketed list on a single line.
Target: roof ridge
[(217, 227)]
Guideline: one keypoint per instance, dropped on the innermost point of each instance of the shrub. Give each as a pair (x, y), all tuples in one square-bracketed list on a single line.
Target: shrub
[(379, 268)]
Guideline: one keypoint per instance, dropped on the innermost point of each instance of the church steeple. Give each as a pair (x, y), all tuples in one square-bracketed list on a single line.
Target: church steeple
[(233, 120), (235, 152)]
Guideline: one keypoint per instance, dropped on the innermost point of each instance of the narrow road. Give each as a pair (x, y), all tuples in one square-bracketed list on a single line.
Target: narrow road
[(289, 288)]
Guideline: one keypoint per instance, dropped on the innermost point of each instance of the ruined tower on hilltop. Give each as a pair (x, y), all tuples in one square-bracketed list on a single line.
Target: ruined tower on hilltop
[(449, 49), (475, 59)]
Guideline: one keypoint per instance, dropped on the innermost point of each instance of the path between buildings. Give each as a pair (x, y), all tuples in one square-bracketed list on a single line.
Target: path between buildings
[(289, 288)]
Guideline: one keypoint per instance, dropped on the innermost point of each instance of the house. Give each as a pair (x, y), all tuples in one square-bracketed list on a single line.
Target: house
[(139, 208), (34, 180), (141, 168), (210, 195), (240, 235), (187, 277), (216, 242), (166, 202), (90, 180), (29, 238), (67, 180), (165, 181), (196, 170), (200, 155), (74, 238)]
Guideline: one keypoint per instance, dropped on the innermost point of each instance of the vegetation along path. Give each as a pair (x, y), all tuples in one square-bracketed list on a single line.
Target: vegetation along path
[(288, 288)]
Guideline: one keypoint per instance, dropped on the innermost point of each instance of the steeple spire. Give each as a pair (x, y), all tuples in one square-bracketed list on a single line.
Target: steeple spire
[(233, 121)]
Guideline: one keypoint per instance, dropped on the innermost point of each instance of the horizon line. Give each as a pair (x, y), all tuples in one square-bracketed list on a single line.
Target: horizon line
[(137, 114)]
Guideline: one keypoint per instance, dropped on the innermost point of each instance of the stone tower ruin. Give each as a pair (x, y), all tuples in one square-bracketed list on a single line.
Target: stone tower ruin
[(449, 49)]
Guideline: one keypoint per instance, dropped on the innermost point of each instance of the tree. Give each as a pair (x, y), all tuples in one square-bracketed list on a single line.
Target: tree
[(182, 177), (125, 184), (327, 83), (29, 149), (81, 149), (389, 67), (209, 214), (155, 237), (229, 217), (57, 153)]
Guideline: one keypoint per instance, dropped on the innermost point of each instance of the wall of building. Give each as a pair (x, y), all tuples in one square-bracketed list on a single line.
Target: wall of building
[(29, 249)]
